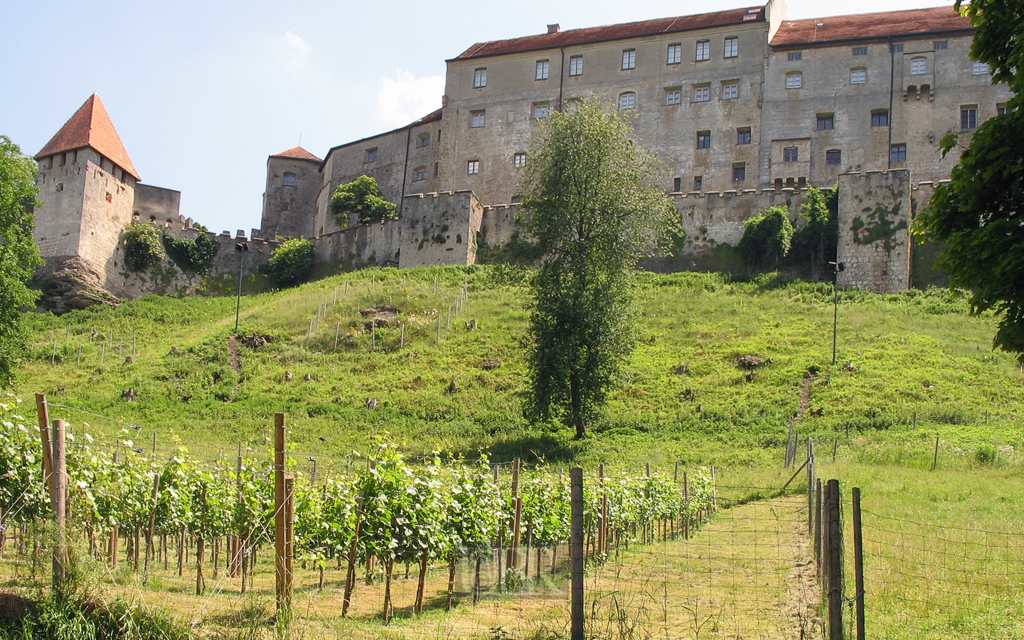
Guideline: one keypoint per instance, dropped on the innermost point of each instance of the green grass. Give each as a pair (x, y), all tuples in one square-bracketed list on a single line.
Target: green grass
[(919, 367)]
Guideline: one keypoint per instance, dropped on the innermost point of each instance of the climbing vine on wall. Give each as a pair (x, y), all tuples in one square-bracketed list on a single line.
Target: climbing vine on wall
[(142, 249), (192, 256), (879, 226)]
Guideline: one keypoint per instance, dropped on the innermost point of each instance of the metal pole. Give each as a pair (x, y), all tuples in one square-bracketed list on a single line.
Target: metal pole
[(835, 314)]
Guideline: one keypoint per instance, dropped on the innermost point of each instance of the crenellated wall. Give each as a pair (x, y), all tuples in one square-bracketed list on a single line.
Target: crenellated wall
[(715, 218), (875, 212)]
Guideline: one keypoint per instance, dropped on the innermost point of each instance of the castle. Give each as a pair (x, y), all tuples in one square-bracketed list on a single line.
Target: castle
[(743, 107)]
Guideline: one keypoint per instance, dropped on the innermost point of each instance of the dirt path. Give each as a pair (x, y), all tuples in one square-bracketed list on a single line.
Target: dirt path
[(805, 398), (236, 364)]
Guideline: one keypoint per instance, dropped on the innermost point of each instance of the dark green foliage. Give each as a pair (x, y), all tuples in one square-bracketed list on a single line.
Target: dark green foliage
[(766, 238), (142, 247), (363, 197), (978, 213), (816, 242), (194, 257), (76, 618), (292, 262), (19, 256), (592, 205)]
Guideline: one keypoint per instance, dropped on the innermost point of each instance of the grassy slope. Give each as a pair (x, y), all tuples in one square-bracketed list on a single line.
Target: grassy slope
[(920, 367)]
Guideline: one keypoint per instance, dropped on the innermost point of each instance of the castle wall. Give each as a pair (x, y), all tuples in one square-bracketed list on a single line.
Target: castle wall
[(497, 225), (360, 246), (289, 209), (440, 228), (710, 219), (58, 223), (156, 203), (875, 210), (106, 212)]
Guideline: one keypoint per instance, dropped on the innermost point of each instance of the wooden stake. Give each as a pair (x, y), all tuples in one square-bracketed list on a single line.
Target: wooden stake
[(401, 344), (935, 460), (44, 433), (280, 527), (337, 331), (58, 495), (835, 564), (858, 562), (576, 555)]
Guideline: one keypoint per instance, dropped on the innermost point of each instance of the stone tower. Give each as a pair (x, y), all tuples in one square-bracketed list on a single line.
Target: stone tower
[(289, 201), (87, 189)]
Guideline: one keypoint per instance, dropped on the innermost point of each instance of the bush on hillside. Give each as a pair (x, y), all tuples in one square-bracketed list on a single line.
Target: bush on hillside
[(766, 238), (292, 263), (142, 250), (192, 256)]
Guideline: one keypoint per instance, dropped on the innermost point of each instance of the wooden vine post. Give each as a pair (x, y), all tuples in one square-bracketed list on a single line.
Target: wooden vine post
[(576, 555), (58, 494), (858, 560), (513, 550), (835, 564), (281, 528), (152, 525), (350, 575)]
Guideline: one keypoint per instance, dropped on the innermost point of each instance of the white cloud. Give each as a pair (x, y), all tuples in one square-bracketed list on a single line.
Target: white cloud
[(299, 50), (404, 98)]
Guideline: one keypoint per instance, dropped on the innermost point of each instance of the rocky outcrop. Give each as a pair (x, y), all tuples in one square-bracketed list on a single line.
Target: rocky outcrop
[(74, 285)]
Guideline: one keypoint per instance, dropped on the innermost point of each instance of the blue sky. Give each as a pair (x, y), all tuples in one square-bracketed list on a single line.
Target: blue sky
[(202, 92)]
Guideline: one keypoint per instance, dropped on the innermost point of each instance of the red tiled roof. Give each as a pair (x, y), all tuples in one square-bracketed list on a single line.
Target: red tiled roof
[(297, 153), (613, 32), (91, 127), (868, 26)]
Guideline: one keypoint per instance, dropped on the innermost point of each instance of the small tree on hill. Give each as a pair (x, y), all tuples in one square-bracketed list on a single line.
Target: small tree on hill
[(363, 197), (592, 204), (19, 255), (818, 240), (766, 238), (292, 262)]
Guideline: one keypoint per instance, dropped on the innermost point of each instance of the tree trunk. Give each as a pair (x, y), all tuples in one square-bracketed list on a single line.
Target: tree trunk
[(389, 565), (200, 582), (421, 585), (476, 582), (181, 552), (576, 397), (451, 583)]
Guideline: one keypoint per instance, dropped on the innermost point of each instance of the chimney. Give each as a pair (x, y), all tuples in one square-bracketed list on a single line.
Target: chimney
[(553, 28)]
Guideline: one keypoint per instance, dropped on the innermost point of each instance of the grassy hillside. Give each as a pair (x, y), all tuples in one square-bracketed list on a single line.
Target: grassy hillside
[(911, 367)]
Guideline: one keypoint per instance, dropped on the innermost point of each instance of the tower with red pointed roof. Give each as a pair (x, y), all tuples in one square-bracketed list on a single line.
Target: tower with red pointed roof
[(293, 183), (90, 191)]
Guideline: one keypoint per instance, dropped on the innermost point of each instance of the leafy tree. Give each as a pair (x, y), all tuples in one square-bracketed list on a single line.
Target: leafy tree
[(192, 256), (142, 248), (592, 205), (292, 262), (19, 255), (818, 240), (766, 238), (978, 213), (362, 196)]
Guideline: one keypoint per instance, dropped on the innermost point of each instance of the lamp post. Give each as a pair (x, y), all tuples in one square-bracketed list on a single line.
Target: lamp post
[(836, 268), (241, 248)]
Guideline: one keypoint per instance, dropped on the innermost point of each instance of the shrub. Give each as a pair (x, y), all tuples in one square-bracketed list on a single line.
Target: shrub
[(142, 249), (766, 238), (292, 262), (192, 256), (816, 243), (362, 196)]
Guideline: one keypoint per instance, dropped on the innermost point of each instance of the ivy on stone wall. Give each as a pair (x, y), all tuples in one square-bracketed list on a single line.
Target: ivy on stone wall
[(192, 256), (767, 238), (142, 250), (879, 226)]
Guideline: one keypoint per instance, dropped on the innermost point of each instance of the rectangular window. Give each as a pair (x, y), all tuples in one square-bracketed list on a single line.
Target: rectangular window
[(897, 48), (701, 94), (479, 78), (730, 91), (743, 135), (473, 167), (479, 118), (675, 53), (880, 118), (370, 155), (898, 153), (981, 68), (289, 180), (628, 59), (703, 139), (519, 160), (790, 154), (940, 45), (420, 174), (423, 140), (673, 96), (698, 183), (576, 66), (1000, 109), (918, 66), (703, 50), (732, 48), (858, 76), (543, 69), (627, 100), (793, 56), (739, 172), (833, 157), (541, 110), (860, 51), (826, 121), (794, 80), (969, 117), (677, 185)]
